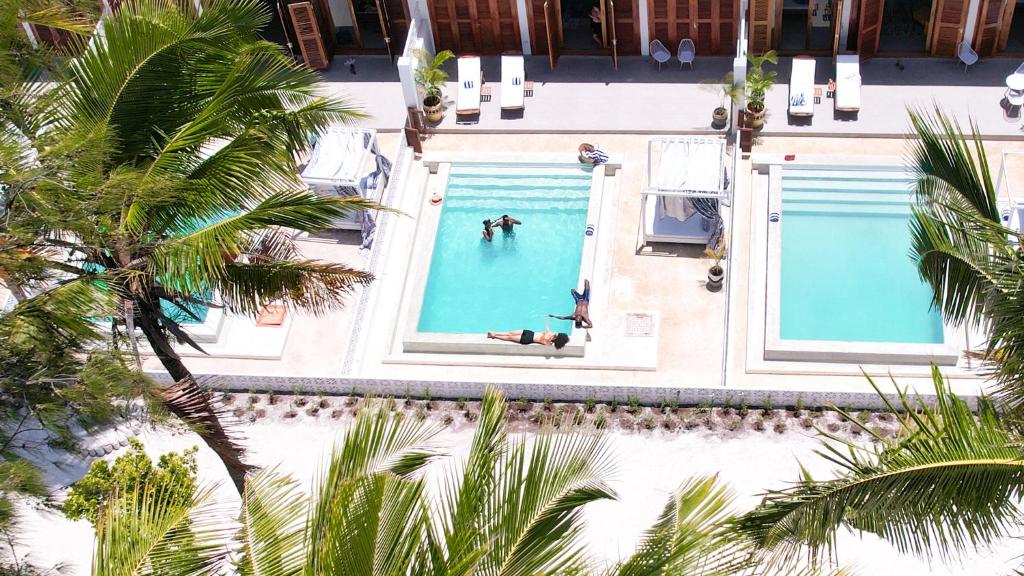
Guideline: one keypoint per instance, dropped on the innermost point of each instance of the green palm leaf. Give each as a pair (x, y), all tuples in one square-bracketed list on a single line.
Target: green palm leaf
[(952, 485), (273, 526)]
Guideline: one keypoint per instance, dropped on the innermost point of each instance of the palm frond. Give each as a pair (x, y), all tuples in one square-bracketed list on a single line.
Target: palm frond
[(274, 511), (310, 285), (145, 532), (952, 485)]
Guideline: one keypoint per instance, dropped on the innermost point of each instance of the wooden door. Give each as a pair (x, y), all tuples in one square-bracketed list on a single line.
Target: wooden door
[(762, 23), (396, 13), (671, 21), (1004, 34), (627, 26), (308, 35), (551, 33), (990, 26), (947, 26), (385, 28), (870, 32), (837, 28), (475, 26)]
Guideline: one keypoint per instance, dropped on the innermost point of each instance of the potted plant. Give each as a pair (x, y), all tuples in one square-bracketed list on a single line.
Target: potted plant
[(728, 92), (716, 273), (758, 82), (431, 78)]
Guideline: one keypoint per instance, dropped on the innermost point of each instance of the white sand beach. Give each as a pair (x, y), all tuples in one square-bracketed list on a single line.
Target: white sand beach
[(651, 464)]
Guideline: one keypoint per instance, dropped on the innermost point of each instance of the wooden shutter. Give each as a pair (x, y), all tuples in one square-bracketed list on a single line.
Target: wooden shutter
[(551, 33), (948, 20), (308, 35), (671, 21), (396, 13), (728, 24), (990, 27), (761, 37), (870, 28), (627, 26), (837, 18), (475, 26), (611, 33)]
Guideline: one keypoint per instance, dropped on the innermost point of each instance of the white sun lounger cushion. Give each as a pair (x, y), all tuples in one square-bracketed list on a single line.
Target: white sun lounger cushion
[(468, 98), (513, 76), (337, 159), (801, 87), (847, 82)]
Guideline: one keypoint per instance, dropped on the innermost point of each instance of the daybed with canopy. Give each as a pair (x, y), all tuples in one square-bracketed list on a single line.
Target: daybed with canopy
[(686, 182), (348, 162)]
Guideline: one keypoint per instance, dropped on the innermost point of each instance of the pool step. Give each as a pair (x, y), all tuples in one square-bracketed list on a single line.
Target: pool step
[(858, 173), (496, 207), (846, 197), (860, 209), (487, 183), (897, 187)]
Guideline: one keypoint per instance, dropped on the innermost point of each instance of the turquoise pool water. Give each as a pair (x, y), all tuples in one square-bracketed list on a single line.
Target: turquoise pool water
[(846, 272), (512, 282)]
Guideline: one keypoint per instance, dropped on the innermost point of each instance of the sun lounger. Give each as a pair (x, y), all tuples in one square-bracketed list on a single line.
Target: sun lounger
[(847, 96), (513, 79), (470, 79), (801, 87)]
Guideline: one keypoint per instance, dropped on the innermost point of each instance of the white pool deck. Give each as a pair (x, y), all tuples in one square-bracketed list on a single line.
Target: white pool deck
[(361, 344)]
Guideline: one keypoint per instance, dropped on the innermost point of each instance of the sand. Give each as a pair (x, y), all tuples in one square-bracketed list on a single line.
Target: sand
[(650, 466)]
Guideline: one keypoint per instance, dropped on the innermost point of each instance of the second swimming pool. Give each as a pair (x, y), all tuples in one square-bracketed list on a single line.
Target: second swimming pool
[(514, 281)]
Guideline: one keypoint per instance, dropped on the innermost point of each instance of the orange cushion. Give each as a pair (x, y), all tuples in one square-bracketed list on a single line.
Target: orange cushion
[(272, 315)]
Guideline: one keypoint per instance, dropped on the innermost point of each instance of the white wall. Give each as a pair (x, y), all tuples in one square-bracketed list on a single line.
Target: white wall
[(972, 20), (341, 13), (524, 27)]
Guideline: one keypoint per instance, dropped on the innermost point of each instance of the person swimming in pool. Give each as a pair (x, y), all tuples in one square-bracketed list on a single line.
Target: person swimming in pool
[(527, 337), (581, 315), (488, 230), (507, 223)]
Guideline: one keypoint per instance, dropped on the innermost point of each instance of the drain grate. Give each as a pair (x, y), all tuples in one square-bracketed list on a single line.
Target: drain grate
[(639, 325)]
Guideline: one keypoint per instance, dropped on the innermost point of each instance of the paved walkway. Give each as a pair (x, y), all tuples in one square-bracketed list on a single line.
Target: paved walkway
[(585, 94)]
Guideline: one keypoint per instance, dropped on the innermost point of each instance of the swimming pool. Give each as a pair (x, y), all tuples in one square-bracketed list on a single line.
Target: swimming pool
[(515, 280), (841, 282)]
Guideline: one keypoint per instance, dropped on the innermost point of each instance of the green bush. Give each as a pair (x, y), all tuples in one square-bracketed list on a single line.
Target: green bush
[(172, 472)]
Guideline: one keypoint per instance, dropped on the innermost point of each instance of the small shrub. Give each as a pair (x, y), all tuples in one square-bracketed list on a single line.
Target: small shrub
[(323, 403), (589, 404), (351, 400), (708, 422), (471, 416), (312, 411), (864, 416), (767, 404), (884, 417), (758, 425), (768, 414), (806, 423), (614, 406), (601, 420), (447, 419), (548, 404), (633, 404), (300, 401), (537, 417), (779, 427), (704, 408), (880, 431), (626, 423), (337, 413), (523, 405), (648, 422), (461, 403), (227, 399), (733, 424), (271, 397), (291, 413), (744, 409), (834, 427), (669, 423), (421, 414), (690, 424), (253, 399), (798, 407), (390, 404), (856, 430), (579, 416)]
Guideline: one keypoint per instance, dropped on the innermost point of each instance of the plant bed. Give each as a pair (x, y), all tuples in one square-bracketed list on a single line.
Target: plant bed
[(337, 413), (290, 413), (300, 401)]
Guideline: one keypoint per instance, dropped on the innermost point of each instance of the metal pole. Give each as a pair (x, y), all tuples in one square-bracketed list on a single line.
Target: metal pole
[(284, 29)]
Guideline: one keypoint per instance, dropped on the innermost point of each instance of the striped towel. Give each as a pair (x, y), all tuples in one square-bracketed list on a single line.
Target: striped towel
[(596, 155)]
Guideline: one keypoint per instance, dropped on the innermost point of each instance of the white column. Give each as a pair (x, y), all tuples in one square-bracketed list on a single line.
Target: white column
[(972, 20), (645, 31), (31, 35), (739, 75), (524, 27)]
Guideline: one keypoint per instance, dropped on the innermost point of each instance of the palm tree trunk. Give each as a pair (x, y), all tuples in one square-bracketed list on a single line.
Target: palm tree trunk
[(191, 402)]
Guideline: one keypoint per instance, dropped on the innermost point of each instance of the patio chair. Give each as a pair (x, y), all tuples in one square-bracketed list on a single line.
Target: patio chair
[(966, 54), (513, 78), (686, 53), (801, 87), (847, 96), (659, 52), (470, 78)]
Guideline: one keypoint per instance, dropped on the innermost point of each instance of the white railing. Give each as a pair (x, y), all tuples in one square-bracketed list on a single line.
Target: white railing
[(1003, 187)]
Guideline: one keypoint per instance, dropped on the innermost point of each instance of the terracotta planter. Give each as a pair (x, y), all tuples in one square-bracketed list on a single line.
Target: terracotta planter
[(755, 118), (433, 108)]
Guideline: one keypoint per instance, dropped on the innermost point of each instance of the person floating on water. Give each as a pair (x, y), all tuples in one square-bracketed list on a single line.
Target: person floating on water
[(526, 337), (488, 231), (507, 222), (581, 315)]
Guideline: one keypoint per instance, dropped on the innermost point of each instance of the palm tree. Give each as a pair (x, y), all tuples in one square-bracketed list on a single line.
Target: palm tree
[(176, 136), (962, 249), (513, 507), (952, 482)]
